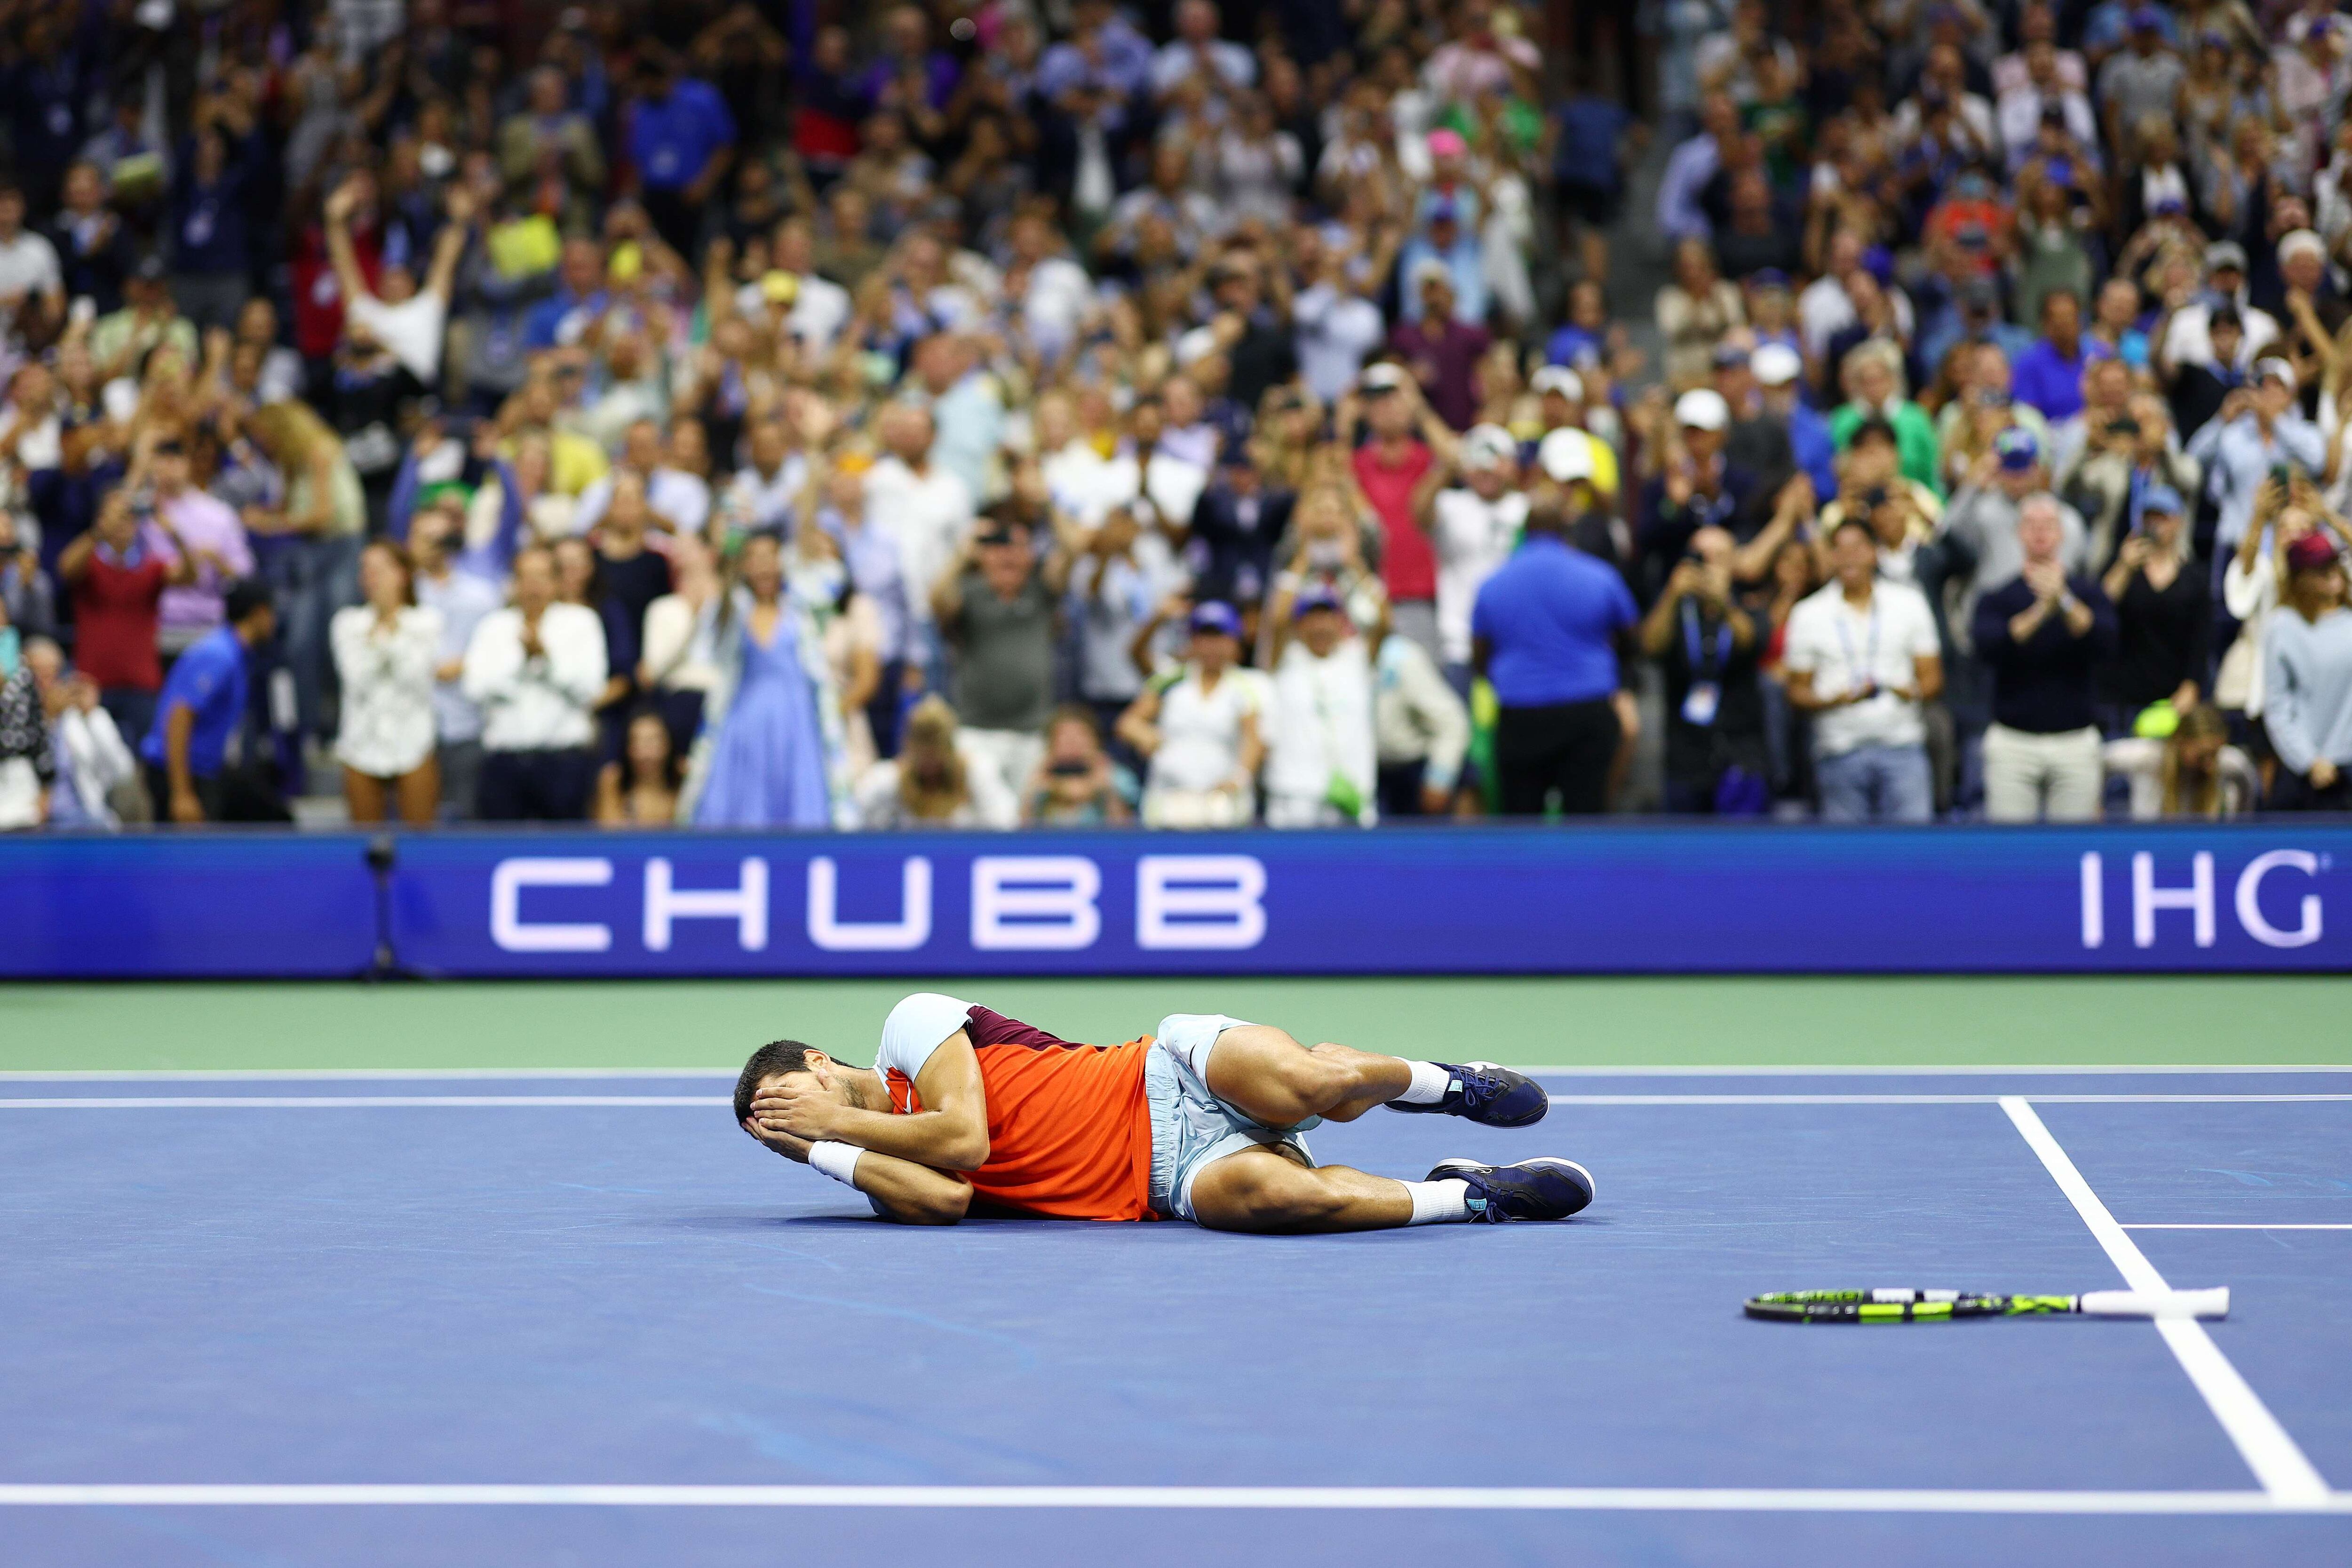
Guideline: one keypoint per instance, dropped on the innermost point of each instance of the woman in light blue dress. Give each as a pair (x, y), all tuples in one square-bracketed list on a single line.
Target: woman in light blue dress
[(769, 754)]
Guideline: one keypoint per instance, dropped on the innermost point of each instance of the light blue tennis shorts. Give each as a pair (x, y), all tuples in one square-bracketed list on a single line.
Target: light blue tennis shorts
[(1190, 1126)]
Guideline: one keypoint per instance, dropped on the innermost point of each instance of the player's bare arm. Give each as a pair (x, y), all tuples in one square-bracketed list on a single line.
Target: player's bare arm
[(900, 1190)]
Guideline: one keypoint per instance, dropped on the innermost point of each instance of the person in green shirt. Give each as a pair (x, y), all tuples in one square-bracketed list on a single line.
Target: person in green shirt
[(1872, 378)]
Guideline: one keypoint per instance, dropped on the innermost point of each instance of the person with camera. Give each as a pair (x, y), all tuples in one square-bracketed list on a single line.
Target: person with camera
[(1707, 645)]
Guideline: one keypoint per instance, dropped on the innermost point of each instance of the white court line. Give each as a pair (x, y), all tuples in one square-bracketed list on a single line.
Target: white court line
[(2237, 1228), (2281, 1468), (354, 1102), (1674, 1500), (1971, 1070)]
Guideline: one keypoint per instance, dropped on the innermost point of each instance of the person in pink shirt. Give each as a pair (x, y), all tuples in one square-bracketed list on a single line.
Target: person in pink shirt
[(208, 526), (1389, 468)]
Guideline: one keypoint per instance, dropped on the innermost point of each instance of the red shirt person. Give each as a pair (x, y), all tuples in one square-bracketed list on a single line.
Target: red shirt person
[(118, 586)]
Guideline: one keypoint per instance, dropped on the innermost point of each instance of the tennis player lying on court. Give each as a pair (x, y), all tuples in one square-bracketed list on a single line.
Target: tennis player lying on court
[(1203, 1121)]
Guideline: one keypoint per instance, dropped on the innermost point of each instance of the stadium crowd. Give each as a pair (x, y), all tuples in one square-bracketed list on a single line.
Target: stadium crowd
[(979, 414)]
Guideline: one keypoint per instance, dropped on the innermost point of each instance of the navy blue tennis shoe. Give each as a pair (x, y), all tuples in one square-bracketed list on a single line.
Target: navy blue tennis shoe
[(1481, 1091), (1541, 1188)]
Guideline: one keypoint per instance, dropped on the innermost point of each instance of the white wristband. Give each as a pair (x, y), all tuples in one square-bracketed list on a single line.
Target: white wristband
[(838, 1161)]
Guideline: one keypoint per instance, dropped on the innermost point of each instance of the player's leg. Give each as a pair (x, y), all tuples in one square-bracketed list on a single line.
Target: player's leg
[(1264, 1074), (1274, 1080), (1270, 1189), (1267, 1190)]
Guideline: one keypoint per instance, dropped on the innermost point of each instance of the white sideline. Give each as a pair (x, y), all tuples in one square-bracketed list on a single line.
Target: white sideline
[(2285, 1473), (1674, 1500), (2201, 1226)]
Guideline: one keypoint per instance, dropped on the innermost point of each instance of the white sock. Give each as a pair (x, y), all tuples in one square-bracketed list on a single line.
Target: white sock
[(1439, 1203), (1428, 1086)]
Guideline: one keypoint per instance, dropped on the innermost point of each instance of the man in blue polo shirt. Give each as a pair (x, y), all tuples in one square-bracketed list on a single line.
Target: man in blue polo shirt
[(1545, 632), (202, 708), (682, 140)]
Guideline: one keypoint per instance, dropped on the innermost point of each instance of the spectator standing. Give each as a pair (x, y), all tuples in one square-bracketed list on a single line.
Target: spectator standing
[(996, 610), (1198, 727), (27, 760), (2042, 636), (1872, 378), (2307, 660), (1390, 468), (1777, 368), (682, 141), (2256, 433), (388, 649), (1861, 656), (313, 565), (1717, 757), (1441, 351), (1422, 728), (203, 524), (1545, 631), (116, 584), (1473, 525), (200, 720), (96, 783), (462, 599), (537, 671), (1320, 768), (2164, 616), (772, 724)]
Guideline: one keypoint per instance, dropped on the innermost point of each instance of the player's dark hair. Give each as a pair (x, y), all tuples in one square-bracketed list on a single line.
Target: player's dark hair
[(775, 1056)]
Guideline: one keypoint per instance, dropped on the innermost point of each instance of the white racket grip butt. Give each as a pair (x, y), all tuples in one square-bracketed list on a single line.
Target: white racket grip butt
[(2213, 1303)]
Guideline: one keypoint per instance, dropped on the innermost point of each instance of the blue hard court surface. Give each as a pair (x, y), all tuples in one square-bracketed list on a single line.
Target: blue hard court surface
[(634, 1293)]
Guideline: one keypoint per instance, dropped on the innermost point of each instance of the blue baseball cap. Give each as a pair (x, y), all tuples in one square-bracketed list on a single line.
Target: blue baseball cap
[(1215, 615), (2147, 19), (2160, 497), (2017, 449), (1312, 599)]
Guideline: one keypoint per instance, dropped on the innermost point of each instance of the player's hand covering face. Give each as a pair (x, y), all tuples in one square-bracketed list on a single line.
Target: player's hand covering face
[(797, 1104)]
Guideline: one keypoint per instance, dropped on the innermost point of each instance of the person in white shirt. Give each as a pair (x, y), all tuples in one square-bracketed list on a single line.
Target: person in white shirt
[(97, 777), (408, 319), (923, 508), (32, 283), (386, 651), (537, 669), (1473, 526), (1320, 768), (1862, 659), (766, 490), (462, 598), (1197, 49), (1422, 728), (820, 306), (1198, 727)]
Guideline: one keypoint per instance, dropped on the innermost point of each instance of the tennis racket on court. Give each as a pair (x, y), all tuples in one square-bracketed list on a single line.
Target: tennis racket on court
[(1898, 1306)]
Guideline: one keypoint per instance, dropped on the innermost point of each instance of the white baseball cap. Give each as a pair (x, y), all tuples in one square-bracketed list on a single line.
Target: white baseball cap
[(1565, 455), (1488, 446), (1775, 364), (1382, 377), (1702, 410), (1557, 378)]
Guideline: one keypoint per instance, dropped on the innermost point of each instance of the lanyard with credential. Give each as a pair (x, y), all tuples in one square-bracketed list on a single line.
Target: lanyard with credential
[(1703, 665), (1866, 673)]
